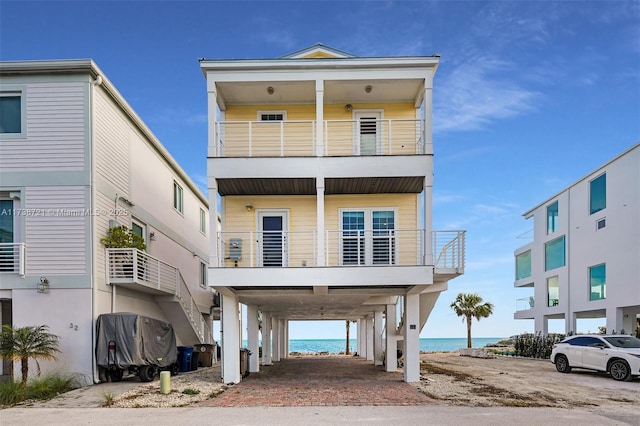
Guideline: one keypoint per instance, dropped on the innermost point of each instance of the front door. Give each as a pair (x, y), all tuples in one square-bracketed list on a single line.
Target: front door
[(272, 238), (368, 133)]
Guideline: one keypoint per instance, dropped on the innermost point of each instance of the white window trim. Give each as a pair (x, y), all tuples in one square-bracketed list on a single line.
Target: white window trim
[(203, 277), (368, 217), (142, 225), (16, 90), (180, 210), (259, 116), (203, 221)]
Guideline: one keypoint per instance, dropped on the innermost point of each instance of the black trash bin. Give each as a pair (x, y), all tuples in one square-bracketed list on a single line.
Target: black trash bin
[(185, 354), (194, 360)]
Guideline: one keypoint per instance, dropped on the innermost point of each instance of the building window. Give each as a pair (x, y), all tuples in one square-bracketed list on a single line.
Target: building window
[(598, 194), (523, 265), (272, 115), (12, 114), (553, 291), (203, 222), (177, 197), (552, 218), (554, 254), (368, 237), (7, 250), (598, 282), (203, 274)]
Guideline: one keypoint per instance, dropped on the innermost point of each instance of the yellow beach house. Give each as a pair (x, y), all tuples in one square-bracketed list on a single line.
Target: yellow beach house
[(321, 166)]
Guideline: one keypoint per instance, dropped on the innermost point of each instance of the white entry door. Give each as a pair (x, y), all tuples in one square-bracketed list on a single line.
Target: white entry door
[(368, 133), (273, 226)]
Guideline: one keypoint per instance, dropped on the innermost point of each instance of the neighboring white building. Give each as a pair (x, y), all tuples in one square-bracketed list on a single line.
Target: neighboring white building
[(584, 260), (74, 160), (323, 162)]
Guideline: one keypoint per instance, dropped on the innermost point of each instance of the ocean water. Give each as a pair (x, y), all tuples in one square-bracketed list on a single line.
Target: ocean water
[(335, 346)]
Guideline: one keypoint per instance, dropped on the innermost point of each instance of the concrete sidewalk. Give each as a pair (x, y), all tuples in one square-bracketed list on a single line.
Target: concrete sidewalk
[(285, 416)]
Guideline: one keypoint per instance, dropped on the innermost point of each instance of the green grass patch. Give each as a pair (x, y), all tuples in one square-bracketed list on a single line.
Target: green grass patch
[(45, 388)]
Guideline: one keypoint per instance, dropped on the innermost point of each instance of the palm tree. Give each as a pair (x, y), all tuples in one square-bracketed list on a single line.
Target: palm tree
[(471, 306), (20, 344), (348, 350)]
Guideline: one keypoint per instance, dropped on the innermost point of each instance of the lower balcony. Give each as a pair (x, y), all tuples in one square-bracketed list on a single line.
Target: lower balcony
[(343, 257)]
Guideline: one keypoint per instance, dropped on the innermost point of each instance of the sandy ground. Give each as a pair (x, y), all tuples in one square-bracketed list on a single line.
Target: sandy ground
[(517, 382)]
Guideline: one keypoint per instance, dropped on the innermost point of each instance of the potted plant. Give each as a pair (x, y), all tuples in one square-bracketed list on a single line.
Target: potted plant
[(123, 237)]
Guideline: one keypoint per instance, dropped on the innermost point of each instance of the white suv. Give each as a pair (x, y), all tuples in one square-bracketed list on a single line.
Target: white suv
[(618, 355)]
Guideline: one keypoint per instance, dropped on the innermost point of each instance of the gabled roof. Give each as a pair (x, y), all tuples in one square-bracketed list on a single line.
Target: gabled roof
[(318, 50)]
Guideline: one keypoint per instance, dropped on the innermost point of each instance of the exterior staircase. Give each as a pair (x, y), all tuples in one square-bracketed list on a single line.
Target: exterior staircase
[(137, 270)]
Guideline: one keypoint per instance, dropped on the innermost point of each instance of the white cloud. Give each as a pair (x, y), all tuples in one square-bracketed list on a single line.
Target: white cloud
[(477, 93)]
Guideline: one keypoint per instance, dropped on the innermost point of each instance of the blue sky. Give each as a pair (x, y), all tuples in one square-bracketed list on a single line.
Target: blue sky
[(528, 98)]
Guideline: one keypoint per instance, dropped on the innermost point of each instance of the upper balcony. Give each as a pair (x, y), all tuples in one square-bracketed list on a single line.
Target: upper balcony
[(339, 138), (12, 258)]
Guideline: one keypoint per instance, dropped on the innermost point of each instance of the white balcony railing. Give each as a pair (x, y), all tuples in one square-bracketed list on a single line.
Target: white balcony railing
[(299, 138), (128, 265), (449, 249), (249, 249), (12, 258)]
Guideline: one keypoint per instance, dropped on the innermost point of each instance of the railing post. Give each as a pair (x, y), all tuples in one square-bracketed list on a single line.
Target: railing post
[(134, 253), (250, 137), (22, 260), (282, 139), (389, 135), (253, 242)]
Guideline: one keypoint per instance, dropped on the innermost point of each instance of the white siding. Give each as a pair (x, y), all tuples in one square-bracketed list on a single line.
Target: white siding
[(111, 141), (55, 131), (56, 230)]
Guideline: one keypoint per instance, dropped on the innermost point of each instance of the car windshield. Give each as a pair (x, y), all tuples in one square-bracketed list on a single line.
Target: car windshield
[(624, 341)]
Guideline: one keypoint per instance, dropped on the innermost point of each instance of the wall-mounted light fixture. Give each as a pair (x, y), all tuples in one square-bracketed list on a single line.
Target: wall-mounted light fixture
[(270, 90), (348, 107), (249, 207), (368, 88), (152, 236), (43, 285)]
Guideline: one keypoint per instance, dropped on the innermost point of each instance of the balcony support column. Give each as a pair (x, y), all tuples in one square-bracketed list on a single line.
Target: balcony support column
[(377, 337), (252, 338), (362, 331), (285, 340), (266, 338), (359, 341), (427, 198), (212, 105), (230, 336), (427, 109), (391, 351), (320, 260), (411, 350), (319, 142)]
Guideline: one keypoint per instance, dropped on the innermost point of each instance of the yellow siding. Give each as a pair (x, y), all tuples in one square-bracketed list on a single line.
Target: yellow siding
[(319, 55), (302, 239)]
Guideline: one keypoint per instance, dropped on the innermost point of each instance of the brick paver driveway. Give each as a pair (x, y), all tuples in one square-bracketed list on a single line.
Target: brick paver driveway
[(322, 380)]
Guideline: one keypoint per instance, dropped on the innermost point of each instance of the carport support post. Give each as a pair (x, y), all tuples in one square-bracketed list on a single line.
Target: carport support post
[(275, 344), (391, 350), (412, 338), (266, 338), (369, 338), (230, 339), (252, 338), (377, 337), (359, 343)]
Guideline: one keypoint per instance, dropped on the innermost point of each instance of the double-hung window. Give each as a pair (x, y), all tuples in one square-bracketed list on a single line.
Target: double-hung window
[(203, 222), (368, 237)]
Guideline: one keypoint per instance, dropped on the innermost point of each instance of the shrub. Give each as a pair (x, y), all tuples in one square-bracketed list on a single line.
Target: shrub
[(12, 393), (536, 345)]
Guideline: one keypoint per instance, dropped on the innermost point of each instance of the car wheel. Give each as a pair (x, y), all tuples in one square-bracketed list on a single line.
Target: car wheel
[(619, 370), (147, 373), (562, 364), (174, 369), (116, 375)]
